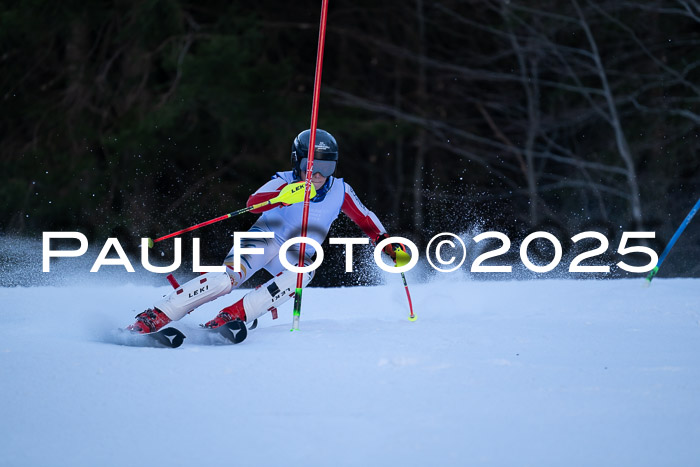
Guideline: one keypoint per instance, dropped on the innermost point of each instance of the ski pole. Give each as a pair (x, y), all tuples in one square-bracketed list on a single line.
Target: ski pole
[(673, 240), (411, 316), (402, 258), (290, 194)]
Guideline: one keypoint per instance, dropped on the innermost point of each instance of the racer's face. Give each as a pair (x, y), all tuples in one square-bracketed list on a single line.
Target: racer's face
[(318, 180)]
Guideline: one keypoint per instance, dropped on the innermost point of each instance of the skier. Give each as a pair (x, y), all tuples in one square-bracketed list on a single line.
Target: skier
[(333, 195)]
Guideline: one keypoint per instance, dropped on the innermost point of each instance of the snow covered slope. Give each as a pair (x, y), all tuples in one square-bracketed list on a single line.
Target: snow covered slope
[(551, 372)]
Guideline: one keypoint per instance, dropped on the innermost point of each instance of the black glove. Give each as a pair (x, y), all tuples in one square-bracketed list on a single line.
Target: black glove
[(391, 248)]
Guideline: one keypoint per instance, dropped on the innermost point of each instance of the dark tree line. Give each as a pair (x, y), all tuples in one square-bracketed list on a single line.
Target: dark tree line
[(139, 118)]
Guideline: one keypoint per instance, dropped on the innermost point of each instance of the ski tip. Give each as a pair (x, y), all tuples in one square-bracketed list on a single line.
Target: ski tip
[(235, 331), (170, 337)]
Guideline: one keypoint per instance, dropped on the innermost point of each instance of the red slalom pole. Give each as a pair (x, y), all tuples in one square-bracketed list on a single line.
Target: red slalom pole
[(310, 161)]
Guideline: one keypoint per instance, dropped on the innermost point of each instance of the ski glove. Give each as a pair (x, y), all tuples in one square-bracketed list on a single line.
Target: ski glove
[(294, 193), (391, 248)]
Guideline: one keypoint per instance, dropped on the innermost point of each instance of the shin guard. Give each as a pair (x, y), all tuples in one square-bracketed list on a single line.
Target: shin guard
[(272, 294), (194, 293)]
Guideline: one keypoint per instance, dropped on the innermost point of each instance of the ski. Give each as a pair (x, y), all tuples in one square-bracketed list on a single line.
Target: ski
[(168, 337), (234, 331)]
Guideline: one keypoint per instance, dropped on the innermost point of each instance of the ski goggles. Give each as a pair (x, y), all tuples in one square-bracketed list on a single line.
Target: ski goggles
[(325, 168)]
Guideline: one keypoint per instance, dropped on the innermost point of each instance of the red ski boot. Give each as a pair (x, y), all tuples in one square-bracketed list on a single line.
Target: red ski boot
[(150, 320), (235, 311)]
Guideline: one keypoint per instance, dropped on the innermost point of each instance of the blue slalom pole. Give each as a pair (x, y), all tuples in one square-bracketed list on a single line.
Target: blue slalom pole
[(678, 233)]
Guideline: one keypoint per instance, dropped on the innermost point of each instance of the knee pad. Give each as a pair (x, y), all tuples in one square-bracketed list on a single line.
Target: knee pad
[(194, 293), (272, 293)]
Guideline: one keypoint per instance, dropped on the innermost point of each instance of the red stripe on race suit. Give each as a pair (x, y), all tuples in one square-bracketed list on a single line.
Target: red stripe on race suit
[(362, 220)]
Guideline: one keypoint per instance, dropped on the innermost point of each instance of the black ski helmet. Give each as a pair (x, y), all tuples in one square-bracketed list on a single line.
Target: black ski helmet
[(326, 149)]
